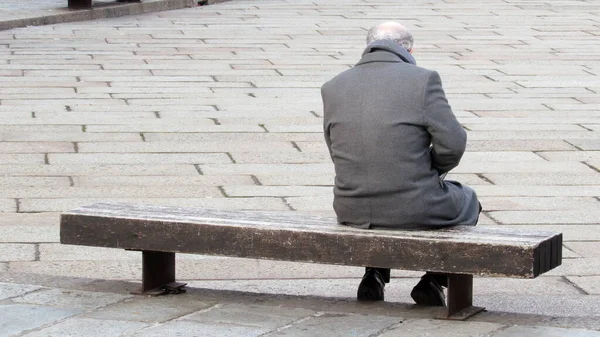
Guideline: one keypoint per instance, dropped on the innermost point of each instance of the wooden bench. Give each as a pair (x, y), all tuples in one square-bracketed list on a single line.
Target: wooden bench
[(160, 232), (78, 4)]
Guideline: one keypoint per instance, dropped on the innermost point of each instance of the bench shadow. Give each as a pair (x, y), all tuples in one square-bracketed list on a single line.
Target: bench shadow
[(316, 303)]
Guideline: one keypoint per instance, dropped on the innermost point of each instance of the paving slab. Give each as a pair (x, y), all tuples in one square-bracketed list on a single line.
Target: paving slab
[(424, 327), (17, 252), (197, 329), (84, 327), (545, 331), (62, 298), (150, 309), (589, 284), (260, 316), (10, 290), (18, 318), (338, 324)]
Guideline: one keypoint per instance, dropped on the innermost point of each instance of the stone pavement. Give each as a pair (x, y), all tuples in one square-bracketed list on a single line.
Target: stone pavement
[(219, 107), (14, 13)]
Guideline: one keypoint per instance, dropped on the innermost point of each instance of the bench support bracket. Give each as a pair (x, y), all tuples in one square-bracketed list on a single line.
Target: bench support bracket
[(158, 274), (460, 297)]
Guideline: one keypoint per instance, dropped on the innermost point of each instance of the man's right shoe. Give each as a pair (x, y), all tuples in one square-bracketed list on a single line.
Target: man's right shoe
[(428, 292), (371, 287)]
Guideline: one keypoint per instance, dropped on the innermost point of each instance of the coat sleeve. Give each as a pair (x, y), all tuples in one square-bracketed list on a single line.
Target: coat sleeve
[(448, 138), (326, 124)]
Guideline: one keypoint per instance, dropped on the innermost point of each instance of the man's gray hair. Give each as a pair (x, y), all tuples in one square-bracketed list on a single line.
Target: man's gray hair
[(391, 31)]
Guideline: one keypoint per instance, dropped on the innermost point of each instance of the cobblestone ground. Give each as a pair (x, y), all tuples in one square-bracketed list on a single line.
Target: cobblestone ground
[(219, 107)]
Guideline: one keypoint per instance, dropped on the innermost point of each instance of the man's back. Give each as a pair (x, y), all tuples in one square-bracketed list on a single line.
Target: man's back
[(380, 118)]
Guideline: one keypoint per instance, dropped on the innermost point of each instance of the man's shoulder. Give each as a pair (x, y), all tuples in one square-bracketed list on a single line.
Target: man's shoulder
[(339, 77)]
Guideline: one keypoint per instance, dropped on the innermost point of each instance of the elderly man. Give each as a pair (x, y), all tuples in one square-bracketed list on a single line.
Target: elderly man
[(392, 137)]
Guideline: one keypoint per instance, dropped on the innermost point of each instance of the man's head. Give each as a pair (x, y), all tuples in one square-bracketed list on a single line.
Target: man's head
[(392, 31)]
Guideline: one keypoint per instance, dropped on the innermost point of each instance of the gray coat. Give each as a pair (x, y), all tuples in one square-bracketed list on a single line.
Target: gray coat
[(391, 134)]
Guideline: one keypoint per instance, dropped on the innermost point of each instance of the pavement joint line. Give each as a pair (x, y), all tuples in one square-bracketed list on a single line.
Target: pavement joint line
[(388, 328), (489, 215), (584, 127), (539, 155), (573, 145), (295, 322), (572, 284), (256, 180), (223, 192), (287, 203), (484, 178), (230, 157), (197, 166), (295, 145), (37, 252), (591, 166)]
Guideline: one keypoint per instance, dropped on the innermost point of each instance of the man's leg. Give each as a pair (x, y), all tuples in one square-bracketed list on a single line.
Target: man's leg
[(429, 291), (372, 286)]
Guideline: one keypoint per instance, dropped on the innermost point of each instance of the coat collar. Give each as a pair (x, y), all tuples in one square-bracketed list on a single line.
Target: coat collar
[(386, 51)]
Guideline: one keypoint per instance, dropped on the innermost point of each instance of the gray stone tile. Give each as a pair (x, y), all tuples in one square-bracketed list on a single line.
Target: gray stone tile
[(519, 145), (546, 305), (17, 318), (163, 180), (114, 191), (279, 191), (135, 158), (590, 284), (428, 327), (518, 331), (196, 329), (34, 181), (8, 205), (17, 252), (33, 234), (21, 159), (35, 147), (338, 324), (298, 180), (60, 205), (528, 179), (173, 147), (64, 298), (91, 169), (539, 203), (574, 232), (60, 252), (85, 327), (8, 290), (150, 309), (585, 249), (261, 316), (280, 158)]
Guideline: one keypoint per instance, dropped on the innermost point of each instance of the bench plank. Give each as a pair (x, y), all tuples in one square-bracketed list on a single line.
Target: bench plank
[(306, 238)]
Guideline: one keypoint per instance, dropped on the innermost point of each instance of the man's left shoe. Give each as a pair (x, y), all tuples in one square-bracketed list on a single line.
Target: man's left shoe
[(428, 292), (371, 287)]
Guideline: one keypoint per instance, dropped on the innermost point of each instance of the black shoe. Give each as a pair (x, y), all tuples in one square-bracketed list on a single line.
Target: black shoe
[(371, 287), (428, 292)]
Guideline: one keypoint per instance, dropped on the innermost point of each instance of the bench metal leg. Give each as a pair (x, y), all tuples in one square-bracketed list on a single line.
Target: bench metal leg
[(80, 3), (158, 274), (460, 297)]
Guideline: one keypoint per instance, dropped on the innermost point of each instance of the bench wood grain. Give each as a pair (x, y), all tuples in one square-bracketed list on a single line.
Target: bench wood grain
[(161, 231)]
